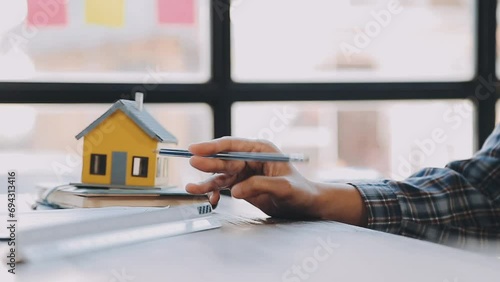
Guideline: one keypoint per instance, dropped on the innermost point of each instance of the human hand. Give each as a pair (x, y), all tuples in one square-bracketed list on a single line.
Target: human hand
[(276, 188)]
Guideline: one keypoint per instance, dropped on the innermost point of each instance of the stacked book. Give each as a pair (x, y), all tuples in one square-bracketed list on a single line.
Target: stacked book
[(84, 196)]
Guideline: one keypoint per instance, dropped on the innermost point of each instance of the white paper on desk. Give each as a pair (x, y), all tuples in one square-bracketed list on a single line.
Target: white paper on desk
[(39, 218), (125, 227)]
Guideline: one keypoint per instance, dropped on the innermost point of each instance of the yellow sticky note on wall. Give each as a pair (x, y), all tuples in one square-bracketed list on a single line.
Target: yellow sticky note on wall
[(105, 12)]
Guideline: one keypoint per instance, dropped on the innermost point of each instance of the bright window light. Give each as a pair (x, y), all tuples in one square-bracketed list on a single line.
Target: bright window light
[(346, 41), (70, 41), (362, 140)]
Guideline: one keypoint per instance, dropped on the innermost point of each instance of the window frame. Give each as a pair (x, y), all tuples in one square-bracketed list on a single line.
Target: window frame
[(164, 167), (143, 163), (102, 160), (161, 167), (220, 92), (158, 167)]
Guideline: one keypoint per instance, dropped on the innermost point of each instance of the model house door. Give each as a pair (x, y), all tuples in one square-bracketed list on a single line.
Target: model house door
[(119, 168)]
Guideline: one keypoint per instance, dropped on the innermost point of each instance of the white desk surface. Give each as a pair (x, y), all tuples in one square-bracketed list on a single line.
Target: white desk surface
[(246, 250)]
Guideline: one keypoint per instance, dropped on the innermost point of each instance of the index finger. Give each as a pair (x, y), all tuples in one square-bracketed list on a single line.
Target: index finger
[(231, 144)]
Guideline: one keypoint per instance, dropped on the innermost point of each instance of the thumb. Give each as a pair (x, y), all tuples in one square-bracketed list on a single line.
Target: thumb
[(254, 186)]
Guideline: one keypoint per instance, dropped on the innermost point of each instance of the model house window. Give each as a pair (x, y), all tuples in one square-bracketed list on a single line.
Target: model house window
[(98, 164), (140, 166)]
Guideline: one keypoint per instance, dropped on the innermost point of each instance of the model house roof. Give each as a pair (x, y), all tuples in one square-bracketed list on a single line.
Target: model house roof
[(141, 117)]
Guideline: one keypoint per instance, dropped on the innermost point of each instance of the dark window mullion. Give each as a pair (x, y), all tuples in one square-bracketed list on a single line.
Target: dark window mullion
[(221, 66), (486, 67)]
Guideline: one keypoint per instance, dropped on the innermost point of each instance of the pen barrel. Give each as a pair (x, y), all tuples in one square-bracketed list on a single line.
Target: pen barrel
[(240, 156), (253, 158)]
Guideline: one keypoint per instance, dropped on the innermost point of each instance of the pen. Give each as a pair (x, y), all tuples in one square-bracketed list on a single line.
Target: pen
[(240, 156)]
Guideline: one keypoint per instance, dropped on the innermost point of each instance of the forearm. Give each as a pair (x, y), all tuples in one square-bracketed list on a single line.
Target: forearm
[(460, 200), (417, 207), (340, 202)]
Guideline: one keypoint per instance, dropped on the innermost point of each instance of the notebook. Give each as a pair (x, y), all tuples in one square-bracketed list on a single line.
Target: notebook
[(89, 232), (71, 196)]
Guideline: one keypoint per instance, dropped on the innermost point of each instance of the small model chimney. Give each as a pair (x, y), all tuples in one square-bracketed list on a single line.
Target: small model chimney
[(139, 100)]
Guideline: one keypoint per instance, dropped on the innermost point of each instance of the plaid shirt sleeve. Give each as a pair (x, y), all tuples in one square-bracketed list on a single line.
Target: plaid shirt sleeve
[(447, 205)]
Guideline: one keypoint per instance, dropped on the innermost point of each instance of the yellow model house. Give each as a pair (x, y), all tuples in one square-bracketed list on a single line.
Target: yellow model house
[(121, 148)]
